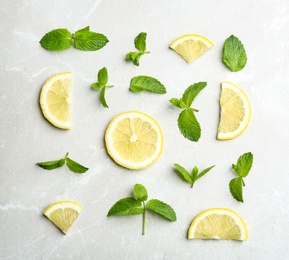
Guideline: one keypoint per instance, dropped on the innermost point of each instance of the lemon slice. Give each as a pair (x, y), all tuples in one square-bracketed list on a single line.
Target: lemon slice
[(235, 112), (191, 46), (55, 100), (218, 223), (134, 140), (63, 214)]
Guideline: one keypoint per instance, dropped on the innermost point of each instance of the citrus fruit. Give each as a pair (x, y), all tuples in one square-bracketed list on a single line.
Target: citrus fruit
[(63, 214), (218, 223), (134, 140), (191, 46), (235, 112), (55, 100)]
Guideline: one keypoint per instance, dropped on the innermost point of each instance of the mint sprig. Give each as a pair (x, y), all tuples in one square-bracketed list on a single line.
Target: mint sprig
[(194, 176), (242, 169), (136, 206), (187, 122), (61, 39), (72, 165), (140, 44), (147, 83), (102, 78), (234, 54)]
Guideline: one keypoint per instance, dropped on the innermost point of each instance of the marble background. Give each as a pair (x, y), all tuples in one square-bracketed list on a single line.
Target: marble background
[(26, 137)]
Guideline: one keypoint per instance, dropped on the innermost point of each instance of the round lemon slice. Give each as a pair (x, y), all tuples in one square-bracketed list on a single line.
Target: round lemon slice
[(63, 214), (55, 100), (235, 112), (191, 46), (218, 223), (134, 140)]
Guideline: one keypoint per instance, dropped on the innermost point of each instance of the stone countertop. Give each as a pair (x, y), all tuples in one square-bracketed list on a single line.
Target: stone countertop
[(26, 137)]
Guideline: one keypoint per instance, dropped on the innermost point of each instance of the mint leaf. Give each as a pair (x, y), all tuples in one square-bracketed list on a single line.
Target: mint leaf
[(102, 97), (74, 166), (243, 165), (195, 173), (96, 85), (89, 41), (188, 125), (57, 40), (126, 207), (140, 41), (182, 172), (202, 173), (132, 206), (51, 165), (102, 76), (162, 209), (175, 102), (140, 44), (236, 188), (140, 192), (101, 84), (191, 92), (234, 54), (140, 83)]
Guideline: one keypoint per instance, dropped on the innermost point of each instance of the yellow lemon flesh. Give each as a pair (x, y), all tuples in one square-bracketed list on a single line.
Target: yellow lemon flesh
[(218, 223), (134, 140), (55, 99), (235, 112), (63, 214), (191, 46)]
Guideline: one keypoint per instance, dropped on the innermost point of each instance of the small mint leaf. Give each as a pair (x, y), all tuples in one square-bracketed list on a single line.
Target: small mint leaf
[(191, 92), (102, 76), (243, 165), (140, 41), (236, 189), (102, 97), (51, 165), (140, 192), (183, 173), (162, 209), (189, 125), (57, 40), (96, 85), (126, 207), (147, 83), (75, 166), (202, 173), (175, 102)]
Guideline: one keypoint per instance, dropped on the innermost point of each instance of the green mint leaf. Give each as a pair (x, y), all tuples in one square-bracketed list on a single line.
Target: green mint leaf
[(236, 189), (188, 125), (89, 41), (134, 57), (175, 102), (102, 97), (74, 166), (195, 173), (202, 173), (102, 76), (51, 165), (243, 165), (191, 92), (140, 41), (125, 207), (162, 209), (140, 192), (57, 40), (96, 85), (140, 83), (183, 173), (234, 54)]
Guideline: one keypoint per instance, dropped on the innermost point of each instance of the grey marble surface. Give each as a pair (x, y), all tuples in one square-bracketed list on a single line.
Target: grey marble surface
[(26, 137)]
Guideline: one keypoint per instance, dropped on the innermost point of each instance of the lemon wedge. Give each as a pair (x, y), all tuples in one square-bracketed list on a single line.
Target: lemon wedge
[(218, 223), (63, 214), (134, 140), (191, 46), (55, 100), (235, 112)]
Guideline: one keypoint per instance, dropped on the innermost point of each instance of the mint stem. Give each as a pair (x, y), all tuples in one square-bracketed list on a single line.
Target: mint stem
[(196, 110), (144, 219), (243, 182), (66, 155)]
